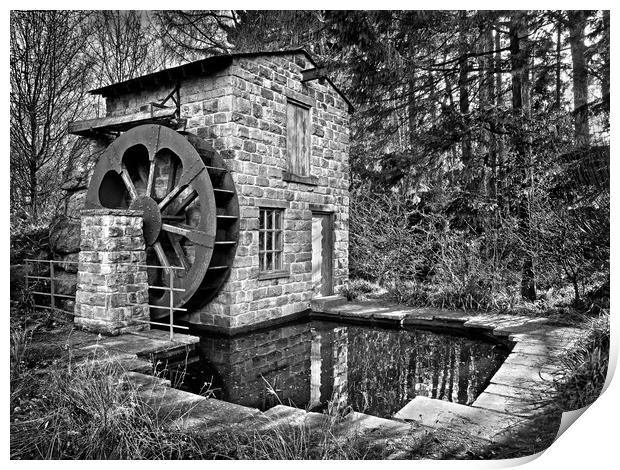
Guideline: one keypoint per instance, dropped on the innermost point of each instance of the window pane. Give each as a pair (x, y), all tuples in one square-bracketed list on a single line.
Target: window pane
[(270, 240), (278, 241)]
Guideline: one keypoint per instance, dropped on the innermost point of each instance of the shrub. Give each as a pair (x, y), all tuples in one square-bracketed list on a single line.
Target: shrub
[(584, 368), (357, 288)]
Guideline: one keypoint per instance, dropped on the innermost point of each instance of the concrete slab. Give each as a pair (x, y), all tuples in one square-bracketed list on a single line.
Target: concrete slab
[(514, 405), (327, 303), (554, 350), (480, 423), (488, 322), (165, 336), (525, 376), (144, 381), (532, 360), (446, 315), (211, 415), (282, 415), (415, 315), (170, 403), (355, 422), (548, 334), (506, 329), (134, 344)]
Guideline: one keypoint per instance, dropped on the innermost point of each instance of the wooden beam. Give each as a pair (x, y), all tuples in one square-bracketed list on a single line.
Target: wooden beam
[(318, 73), (120, 123)]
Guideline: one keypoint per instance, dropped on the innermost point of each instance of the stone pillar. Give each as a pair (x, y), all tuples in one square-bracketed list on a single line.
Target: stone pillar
[(112, 288)]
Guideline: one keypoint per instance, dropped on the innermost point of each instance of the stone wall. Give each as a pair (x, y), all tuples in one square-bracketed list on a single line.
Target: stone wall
[(250, 126), (241, 112), (112, 289)]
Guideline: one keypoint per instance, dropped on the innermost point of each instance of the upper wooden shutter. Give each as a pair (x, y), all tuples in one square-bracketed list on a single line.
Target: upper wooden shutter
[(298, 138)]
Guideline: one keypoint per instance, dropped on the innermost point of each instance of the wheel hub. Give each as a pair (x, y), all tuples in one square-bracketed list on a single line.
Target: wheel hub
[(151, 217)]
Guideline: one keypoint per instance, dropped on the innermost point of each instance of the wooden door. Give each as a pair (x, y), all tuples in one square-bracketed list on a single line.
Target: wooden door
[(322, 253)]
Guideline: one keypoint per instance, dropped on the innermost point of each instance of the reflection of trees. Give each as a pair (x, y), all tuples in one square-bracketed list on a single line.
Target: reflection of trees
[(387, 368)]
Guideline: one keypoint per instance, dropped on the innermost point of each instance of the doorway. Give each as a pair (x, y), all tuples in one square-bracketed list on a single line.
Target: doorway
[(322, 253)]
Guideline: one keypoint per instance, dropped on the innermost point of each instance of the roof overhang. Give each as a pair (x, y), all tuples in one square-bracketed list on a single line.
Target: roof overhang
[(197, 68)]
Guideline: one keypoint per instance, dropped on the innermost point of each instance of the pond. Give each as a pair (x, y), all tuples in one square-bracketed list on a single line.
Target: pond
[(318, 364)]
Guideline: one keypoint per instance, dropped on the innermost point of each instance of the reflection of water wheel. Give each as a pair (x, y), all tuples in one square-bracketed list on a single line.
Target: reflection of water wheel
[(191, 213)]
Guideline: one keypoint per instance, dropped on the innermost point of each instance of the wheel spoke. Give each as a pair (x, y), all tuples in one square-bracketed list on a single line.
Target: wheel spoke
[(170, 196), (151, 179), (128, 183), (194, 235), (161, 255), (178, 250), (187, 201)]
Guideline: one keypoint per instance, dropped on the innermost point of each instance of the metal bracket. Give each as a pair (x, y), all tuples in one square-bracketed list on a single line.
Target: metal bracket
[(174, 96)]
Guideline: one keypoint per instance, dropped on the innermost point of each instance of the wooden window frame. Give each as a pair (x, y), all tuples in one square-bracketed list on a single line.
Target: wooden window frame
[(271, 243)]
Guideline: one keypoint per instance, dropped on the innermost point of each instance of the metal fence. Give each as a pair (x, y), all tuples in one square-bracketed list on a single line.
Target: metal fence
[(46, 286)]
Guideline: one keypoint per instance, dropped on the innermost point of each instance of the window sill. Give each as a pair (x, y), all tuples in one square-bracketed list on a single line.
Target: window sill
[(292, 177), (272, 275)]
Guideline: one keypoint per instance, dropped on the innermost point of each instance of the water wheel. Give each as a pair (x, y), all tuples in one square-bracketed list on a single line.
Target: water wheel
[(191, 213)]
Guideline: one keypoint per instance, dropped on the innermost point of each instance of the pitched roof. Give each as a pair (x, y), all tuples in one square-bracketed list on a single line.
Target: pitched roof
[(197, 68)]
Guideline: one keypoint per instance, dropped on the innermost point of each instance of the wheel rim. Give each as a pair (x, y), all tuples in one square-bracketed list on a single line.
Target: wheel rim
[(187, 222)]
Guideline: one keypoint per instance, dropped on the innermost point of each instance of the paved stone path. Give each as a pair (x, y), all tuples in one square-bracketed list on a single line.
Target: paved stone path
[(518, 393)]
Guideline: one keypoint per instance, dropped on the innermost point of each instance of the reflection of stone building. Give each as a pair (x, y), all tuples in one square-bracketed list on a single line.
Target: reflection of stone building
[(303, 365)]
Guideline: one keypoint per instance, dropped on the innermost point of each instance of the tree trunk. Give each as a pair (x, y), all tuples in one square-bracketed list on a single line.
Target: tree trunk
[(520, 81), (487, 99), (606, 45), (500, 173), (464, 97), (576, 26), (558, 66)]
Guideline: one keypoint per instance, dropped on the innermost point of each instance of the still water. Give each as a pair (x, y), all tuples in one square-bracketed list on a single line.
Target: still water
[(370, 369)]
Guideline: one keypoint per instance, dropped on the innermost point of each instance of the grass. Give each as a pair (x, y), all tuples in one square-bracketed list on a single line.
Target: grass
[(86, 411), (291, 442)]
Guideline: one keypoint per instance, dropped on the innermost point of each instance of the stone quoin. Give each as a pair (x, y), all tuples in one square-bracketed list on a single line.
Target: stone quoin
[(281, 130)]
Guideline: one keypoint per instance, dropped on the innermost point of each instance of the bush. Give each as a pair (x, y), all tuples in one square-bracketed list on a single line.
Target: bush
[(357, 288), (584, 368)]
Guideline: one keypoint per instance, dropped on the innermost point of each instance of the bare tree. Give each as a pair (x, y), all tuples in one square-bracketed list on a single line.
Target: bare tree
[(120, 48), (194, 34), (48, 79)]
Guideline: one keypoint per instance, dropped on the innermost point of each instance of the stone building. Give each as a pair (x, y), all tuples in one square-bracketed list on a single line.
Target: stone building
[(267, 230)]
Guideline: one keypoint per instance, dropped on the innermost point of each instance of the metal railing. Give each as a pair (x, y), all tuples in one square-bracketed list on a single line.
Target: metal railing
[(52, 279)]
